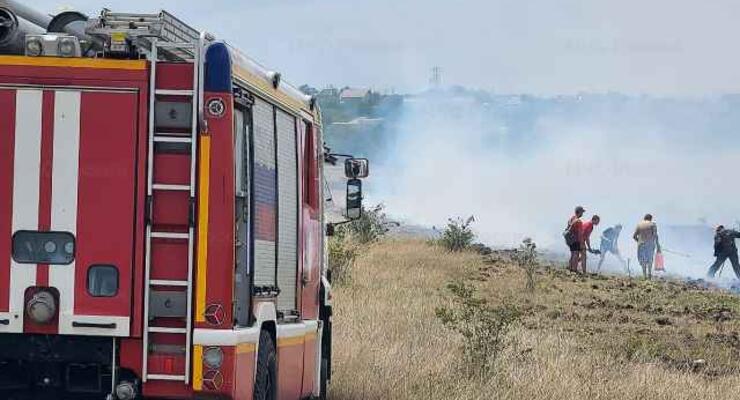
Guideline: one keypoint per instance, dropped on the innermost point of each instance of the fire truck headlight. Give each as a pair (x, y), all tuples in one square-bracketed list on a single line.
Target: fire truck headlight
[(213, 357), (34, 47), (67, 47)]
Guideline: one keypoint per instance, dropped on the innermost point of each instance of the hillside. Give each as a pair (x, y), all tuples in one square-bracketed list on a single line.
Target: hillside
[(575, 338)]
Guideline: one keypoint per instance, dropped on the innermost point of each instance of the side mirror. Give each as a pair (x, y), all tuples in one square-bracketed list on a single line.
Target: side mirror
[(354, 199), (357, 168)]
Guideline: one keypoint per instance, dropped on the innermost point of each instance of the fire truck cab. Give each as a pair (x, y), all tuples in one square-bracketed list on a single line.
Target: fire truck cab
[(162, 226)]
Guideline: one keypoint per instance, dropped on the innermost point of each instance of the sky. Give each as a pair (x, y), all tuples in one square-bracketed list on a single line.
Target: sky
[(543, 47), (620, 159)]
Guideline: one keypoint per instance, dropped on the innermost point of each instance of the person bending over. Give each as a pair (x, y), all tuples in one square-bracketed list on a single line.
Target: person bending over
[(610, 244), (587, 229), (724, 249)]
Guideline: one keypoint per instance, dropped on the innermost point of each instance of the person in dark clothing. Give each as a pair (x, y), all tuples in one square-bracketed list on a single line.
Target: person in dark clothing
[(571, 234), (610, 244), (725, 248)]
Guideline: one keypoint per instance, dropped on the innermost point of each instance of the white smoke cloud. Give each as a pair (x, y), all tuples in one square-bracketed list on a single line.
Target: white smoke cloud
[(620, 161)]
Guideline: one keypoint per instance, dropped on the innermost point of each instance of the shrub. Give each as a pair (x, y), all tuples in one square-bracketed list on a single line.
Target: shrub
[(373, 224), (484, 328), (458, 235), (350, 239), (342, 256), (526, 258), (481, 249)]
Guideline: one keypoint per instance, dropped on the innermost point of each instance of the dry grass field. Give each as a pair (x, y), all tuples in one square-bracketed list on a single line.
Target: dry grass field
[(577, 338)]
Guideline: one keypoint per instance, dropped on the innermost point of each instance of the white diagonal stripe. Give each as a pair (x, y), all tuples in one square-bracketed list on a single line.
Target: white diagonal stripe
[(26, 181), (64, 184)]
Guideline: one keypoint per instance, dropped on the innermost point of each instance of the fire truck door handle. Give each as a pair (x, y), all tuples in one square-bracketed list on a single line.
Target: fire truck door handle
[(4, 322), (91, 325)]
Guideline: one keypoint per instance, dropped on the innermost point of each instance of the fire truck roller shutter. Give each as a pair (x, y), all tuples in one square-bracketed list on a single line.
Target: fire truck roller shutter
[(287, 211), (265, 194)]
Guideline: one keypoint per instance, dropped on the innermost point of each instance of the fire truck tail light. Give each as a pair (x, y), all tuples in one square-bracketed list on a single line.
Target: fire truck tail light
[(213, 357), (215, 314), (169, 365), (31, 247), (213, 380)]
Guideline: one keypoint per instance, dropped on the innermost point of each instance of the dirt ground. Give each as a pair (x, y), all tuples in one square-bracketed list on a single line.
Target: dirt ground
[(578, 337)]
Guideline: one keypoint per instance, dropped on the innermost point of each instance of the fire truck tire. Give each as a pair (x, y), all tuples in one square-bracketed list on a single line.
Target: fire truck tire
[(324, 379), (265, 384)]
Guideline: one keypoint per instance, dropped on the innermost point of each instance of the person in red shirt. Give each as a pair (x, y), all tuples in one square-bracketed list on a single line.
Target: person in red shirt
[(584, 240)]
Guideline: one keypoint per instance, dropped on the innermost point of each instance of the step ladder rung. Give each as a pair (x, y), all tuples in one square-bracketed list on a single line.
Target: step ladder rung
[(162, 329), (168, 187), (170, 235), (160, 377), (173, 92), (162, 282), (159, 138), (175, 45)]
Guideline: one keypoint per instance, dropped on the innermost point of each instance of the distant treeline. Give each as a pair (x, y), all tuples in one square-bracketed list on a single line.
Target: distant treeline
[(366, 122)]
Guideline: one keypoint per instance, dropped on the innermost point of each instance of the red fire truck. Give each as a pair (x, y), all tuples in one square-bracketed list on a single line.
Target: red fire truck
[(161, 215)]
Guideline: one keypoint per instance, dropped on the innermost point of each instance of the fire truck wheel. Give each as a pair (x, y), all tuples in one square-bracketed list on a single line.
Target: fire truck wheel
[(265, 385), (324, 380)]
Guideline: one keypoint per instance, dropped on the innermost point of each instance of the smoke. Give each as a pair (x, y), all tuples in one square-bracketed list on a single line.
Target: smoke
[(521, 164)]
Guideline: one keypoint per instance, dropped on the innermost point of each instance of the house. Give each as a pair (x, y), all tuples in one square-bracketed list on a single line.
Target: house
[(329, 96), (354, 96)]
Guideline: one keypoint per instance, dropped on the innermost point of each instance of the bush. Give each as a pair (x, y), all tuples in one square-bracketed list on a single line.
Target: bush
[(481, 249), (458, 235), (350, 239), (484, 328), (342, 256), (373, 224), (526, 257)]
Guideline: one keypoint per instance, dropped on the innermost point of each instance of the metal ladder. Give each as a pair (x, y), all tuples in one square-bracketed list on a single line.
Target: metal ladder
[(152, 187), (164, 38), (144, 29)]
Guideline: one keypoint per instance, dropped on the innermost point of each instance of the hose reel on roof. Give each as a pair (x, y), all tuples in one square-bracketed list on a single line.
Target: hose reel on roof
[(13, 31), (24, 31), (75, 23)]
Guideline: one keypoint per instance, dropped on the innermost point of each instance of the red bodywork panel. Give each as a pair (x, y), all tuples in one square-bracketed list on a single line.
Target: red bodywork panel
[(45, 184), (106, 205), (100, 114), (7, 156), (310, 241), (219, 282)]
